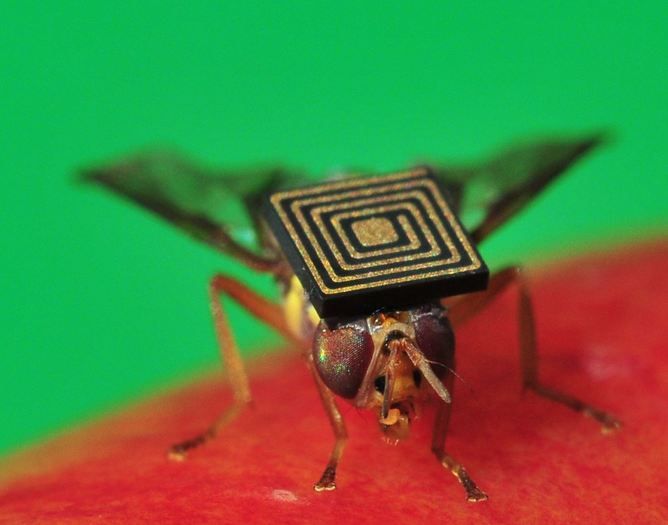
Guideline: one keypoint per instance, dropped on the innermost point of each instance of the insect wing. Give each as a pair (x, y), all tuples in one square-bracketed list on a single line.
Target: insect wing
[(489, 194), (214, 206), (221, 208)]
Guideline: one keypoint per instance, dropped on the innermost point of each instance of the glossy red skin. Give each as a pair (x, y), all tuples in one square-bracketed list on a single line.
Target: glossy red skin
[(603, 334)]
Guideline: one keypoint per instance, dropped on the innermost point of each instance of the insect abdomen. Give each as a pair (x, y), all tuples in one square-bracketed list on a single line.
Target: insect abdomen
[(300, 316)]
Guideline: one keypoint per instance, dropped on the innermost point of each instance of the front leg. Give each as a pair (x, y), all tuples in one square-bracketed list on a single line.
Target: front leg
[(328, 479), (469, 306), (441, 424)]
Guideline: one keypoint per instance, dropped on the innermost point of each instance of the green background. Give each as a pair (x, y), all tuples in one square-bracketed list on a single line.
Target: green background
[(102, 303)]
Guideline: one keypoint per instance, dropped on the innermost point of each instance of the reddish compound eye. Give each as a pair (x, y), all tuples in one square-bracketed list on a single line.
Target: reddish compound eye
[(342, 356), (435, 338)]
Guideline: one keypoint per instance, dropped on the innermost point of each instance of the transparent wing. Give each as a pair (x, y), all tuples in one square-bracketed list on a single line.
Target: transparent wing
[(489, 194), (217, 207), (222, 208)]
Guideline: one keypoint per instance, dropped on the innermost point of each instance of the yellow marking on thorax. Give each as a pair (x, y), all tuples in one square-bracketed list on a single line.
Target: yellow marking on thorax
[(295, 308)]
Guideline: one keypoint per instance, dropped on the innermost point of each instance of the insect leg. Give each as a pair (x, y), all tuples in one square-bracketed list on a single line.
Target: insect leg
[(469, 306), (327, 480), (441, 424), (261, 308)]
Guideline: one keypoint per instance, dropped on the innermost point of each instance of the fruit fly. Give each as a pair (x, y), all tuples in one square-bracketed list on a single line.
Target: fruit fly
[(376, 273)]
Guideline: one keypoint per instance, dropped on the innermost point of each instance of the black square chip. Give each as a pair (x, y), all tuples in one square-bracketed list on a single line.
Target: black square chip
[(389, 241)]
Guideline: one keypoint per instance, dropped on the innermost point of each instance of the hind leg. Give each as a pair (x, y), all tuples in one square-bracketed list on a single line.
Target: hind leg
[(470, 305)]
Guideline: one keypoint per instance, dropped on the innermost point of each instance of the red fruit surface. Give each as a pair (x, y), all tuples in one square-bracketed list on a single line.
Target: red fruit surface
[(602, 331)]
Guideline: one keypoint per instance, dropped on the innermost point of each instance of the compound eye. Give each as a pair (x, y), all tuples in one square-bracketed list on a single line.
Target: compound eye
[(342, 356), (435, 338)]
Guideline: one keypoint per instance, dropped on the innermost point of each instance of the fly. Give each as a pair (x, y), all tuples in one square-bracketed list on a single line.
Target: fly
[(376, 273)]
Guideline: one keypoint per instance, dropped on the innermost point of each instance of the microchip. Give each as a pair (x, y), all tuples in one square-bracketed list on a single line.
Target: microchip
[(361, 244)]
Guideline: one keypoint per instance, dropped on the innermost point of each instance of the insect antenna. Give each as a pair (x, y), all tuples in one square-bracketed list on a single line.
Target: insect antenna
[(389, 381), (420, 361), (452, 371)]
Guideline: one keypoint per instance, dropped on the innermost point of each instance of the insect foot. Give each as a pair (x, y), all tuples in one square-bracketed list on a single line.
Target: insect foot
[(609, 423), (176, 453), (326, 482), (179, 452), (473, 493)]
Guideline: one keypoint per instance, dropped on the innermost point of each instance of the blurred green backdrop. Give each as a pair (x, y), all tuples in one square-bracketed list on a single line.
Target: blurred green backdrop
[(101, 302)]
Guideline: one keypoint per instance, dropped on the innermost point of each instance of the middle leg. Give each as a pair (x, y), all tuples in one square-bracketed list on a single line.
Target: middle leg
[(260, 308)]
